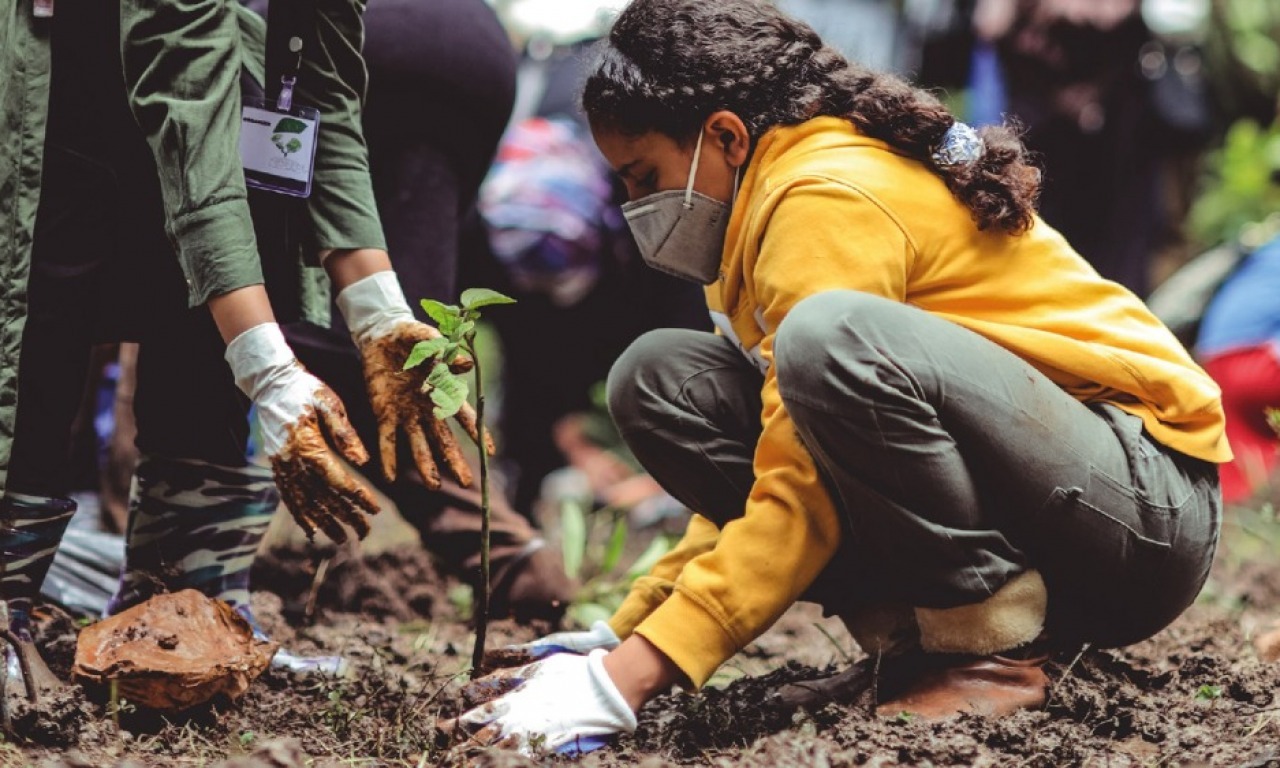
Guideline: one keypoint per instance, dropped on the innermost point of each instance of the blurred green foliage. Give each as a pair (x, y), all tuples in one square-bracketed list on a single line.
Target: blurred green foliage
[(1241, 181), (1241, 185), (594, 543)]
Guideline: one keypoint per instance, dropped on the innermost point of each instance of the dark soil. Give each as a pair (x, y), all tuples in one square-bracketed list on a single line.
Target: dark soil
[(1196, 694)]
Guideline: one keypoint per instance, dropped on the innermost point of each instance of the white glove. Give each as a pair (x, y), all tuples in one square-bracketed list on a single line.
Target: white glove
[(385, 331), (291, 402), (373, 306), (564, 704), (599, 636)]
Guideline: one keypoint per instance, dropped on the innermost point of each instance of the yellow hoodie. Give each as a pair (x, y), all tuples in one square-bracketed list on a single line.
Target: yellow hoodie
[(823, 207)]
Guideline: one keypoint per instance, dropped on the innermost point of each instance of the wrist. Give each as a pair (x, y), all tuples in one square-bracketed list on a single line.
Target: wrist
[(372, 304), (257, 357), (640, 671)]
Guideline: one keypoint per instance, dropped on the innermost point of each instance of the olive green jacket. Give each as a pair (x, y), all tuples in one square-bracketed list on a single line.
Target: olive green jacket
[(182, 64)]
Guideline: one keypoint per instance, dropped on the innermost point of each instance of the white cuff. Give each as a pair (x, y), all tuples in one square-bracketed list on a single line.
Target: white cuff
[(607, 693), (371, 305), (255, 354)]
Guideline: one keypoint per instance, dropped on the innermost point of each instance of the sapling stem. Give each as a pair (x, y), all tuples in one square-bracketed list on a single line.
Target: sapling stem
[(482, 600)]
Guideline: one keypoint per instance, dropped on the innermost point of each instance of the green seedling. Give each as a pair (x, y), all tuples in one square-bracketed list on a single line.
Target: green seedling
[(592, 545), (1208, 693), (448, 391)]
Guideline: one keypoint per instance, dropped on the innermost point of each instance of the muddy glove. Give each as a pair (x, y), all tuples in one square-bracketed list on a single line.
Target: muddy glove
[(292, 403), (385, 331), (599, 636), (563, 704)]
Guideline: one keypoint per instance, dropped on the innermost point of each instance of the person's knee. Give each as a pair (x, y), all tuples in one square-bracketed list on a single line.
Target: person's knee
[(636, 389), (823, 331)]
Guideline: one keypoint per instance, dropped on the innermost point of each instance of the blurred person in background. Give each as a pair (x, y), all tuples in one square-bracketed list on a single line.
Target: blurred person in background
[(1239, 345), (1110, 107)]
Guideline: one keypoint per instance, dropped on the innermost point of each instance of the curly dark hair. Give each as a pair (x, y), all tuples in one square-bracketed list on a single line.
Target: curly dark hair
[(667, 64)]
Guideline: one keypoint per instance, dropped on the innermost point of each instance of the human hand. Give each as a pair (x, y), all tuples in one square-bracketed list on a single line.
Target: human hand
[(385, 331), (292, 403), (564, 704), (600, 635)]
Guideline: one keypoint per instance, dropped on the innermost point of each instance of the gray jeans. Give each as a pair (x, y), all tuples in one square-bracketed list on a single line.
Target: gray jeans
[(955, 465)]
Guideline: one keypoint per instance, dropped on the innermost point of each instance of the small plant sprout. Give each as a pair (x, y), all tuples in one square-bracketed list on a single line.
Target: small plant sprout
[(1208, 693), (448, 391), (593, 544)]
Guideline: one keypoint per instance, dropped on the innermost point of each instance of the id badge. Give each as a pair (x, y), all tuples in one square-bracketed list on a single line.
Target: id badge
[(278, 147)]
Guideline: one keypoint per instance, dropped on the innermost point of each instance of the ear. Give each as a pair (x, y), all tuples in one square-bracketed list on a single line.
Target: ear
[(727, 131)]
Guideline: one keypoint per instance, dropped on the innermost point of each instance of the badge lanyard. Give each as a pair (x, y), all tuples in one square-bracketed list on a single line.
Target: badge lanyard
[(278, 137)]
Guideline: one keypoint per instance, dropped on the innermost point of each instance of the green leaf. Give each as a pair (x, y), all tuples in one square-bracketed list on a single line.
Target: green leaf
[(448, 391), (294, 145), (573, 536), (475, 298), (449, 327), (438, 310), (290, 125), (464, 327), (1209, 692), (586, 614), (657, 548), (425, 350), (617, 542)]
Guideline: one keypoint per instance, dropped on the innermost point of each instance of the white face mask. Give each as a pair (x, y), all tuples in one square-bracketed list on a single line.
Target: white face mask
[(681, 233)]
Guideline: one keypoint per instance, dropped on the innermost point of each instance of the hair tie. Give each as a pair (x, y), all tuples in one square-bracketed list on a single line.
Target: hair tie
[(960, 145)]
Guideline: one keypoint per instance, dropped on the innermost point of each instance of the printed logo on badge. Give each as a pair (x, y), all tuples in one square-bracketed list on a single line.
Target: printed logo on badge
[(278, 148)]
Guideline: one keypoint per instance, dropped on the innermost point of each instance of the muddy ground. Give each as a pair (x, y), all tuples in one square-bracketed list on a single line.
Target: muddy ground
[(1196, 694)]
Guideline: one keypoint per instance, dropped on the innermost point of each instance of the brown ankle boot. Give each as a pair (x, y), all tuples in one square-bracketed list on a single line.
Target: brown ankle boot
[(986, 685)]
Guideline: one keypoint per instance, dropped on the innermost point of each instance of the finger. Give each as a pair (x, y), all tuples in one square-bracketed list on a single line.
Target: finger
[(447, 445), (287, 478), (326, 518), (320, 494), (479, 692), (340, 511), (348, 507), (387, 445), (467, 418), (422, 455), (339, 427), (349, 501), (511, 657), (461, 364), (484, 716)]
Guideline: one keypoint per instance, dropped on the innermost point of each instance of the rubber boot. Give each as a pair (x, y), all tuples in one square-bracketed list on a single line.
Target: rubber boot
[(196, 525), (30, 530)]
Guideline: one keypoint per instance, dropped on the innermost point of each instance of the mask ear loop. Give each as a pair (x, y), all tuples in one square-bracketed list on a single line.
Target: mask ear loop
[(693, 171)]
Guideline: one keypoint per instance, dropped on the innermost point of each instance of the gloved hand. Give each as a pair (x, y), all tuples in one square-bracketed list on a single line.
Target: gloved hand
[(564, 704), (600, 635), (291, 402), (385, 331)]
